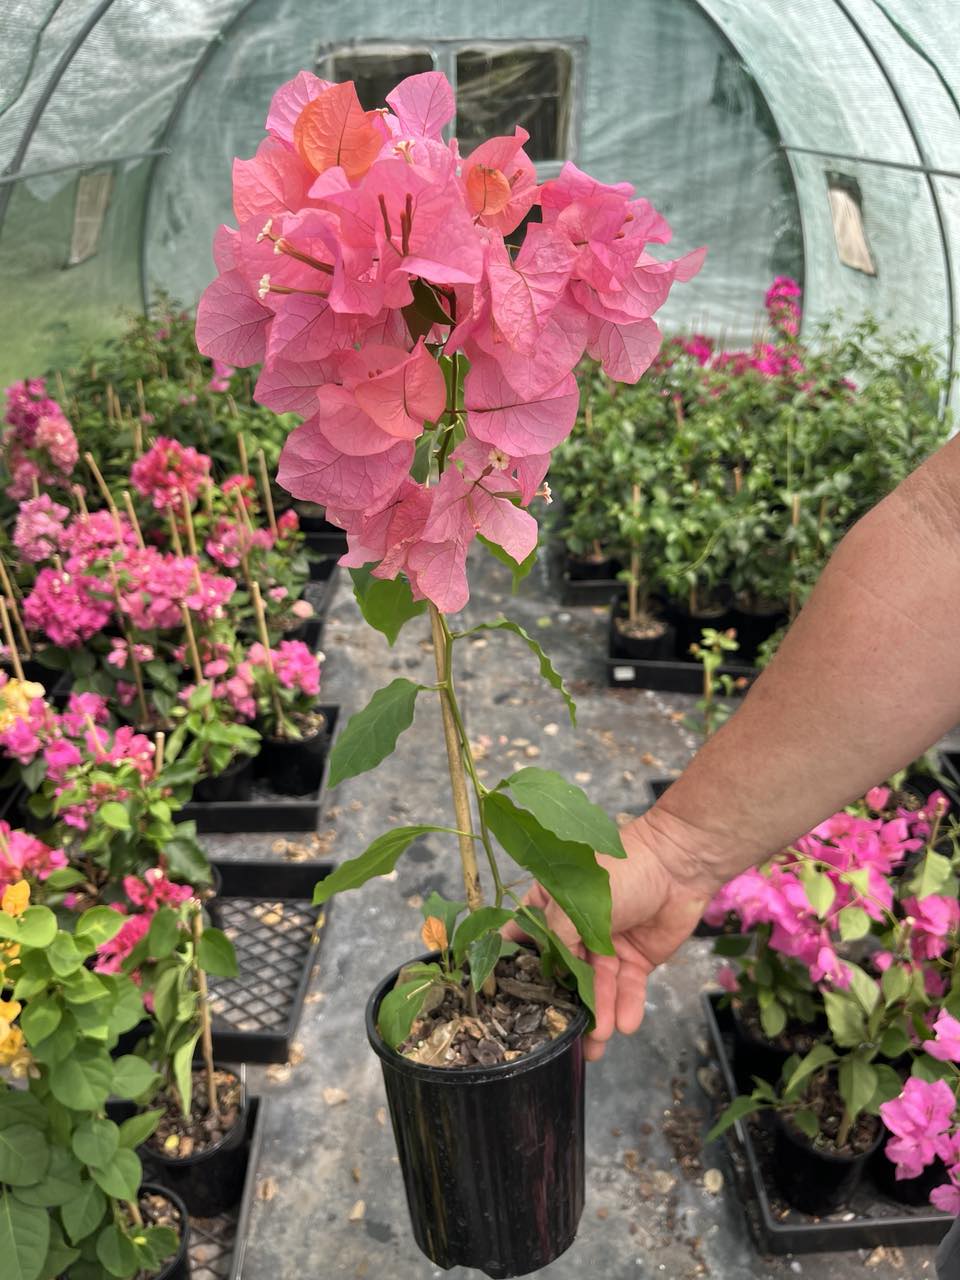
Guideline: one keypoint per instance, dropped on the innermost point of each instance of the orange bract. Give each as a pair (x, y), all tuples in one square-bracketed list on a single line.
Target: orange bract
[(434, 934), (334, 129), (488, 191)]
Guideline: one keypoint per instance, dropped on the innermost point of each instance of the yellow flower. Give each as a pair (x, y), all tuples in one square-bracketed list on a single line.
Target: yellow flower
[(11, 1046), (15, 699), (16, 898)]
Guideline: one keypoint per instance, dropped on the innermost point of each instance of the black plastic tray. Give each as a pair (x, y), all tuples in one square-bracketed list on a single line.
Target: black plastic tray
[(276, 813), (217, 1245), (875, 1220), (266, 909), (678, 675)]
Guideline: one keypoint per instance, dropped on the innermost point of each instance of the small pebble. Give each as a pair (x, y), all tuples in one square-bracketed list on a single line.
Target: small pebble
[(357, 1212), (713, 1181)]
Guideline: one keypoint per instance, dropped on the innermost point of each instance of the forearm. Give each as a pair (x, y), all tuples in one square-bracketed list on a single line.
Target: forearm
[(866, 680)]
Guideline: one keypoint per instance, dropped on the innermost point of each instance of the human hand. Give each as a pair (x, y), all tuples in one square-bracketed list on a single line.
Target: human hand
[(658, 893)]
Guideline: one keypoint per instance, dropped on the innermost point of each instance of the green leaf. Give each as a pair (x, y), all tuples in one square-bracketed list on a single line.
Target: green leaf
[(37, 927), (565, 809), (547, 669), (519, 568), (24, 1155), (806, 1121), (59, 1254), (731, 945), (895, 983), (818, 887), (116, 1252), (40, 1018), (82, 1080), (163, 934), (815, 1060), (378, 859), (385, 604), (399, 1008), (216, 954), (566, 869), (138, 1128), (114, 815), (773, 1016), (475, 925), (33, 774), (63, 955), (854, 923), (483, 954), (440, 909), (60, 1183), (848, 1025), (865, 989), (372, 733), (857, 1081), (24, 1238), (183, 1070), (99, 925), (894, 1042), (84, 1213), (95, 1141), (64, 878), (122, 1177), (932, 876), (132, 1076), (742, 1105)]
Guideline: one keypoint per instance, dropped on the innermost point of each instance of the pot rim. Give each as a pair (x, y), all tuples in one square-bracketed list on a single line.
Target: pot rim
[(830, 1157), (184, 1162), (156, 1189), (463, 1075)]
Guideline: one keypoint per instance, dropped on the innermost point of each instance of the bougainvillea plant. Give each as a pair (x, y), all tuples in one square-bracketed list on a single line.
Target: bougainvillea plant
[(377, 275)]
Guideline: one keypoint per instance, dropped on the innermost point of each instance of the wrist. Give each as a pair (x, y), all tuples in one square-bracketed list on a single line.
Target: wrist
[(690, 856)]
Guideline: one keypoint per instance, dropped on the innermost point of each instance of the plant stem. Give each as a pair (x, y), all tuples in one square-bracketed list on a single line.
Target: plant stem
[(458, 777), (206, 1036)]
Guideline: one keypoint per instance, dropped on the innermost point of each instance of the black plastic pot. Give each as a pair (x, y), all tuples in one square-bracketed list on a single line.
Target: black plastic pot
[(311, 517), (209, 1182), (753, 627), (234, 783), (178, 1267), (293, 766), (689, 626), (592, 569), (912, 1191), (753, 1056), (816, 1182), (658, 648), (492, 1157)]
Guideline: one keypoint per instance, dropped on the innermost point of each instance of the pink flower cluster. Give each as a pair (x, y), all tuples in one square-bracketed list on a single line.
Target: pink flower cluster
[(295, 665), (366, 248), (39, 529), (24, 857), (39, 444), (222, 373), (232, 682), (232, 540), (67, 608), (166, 470), (783, 306), (149, 894), (154, 587)]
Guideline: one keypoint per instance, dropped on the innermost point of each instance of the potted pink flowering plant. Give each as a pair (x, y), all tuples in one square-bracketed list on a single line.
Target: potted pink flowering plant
[(287, 682), (372, 274)]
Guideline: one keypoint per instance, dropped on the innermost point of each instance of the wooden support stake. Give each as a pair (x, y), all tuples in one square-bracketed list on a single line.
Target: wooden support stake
[(174, 532), (97, 474), (264, 635), (267, 495), (61, 389), (141, 398), (132, 517), (8, 637), (188, 521), (206, 1036), (81, 501), (192, 643), (242, 451), (11, 596), (159, 744)]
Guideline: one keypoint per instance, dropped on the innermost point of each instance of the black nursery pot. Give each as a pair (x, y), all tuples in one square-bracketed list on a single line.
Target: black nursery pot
[(753, 627), (815, 1182), (754, 1057), (177, 1267), (689, 626), (234, 783), (592, 569), (293, 766), (209, 1182), (911, 1191), (492, 1157), (661, 648)]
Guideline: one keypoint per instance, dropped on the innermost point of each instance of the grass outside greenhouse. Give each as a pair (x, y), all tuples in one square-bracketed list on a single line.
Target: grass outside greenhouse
[(352, 620)]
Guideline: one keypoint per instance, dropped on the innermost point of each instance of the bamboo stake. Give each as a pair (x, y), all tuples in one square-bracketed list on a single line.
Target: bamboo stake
[(174, 533), (10, 594), (208, 498), (794, 521), (81, 501), (232, 405), (138, 437), (97, 474), (267, 495), (132, 517), (242, 450), (188, 521), (8, 636), (206, 1036), (737, 479), (159, 744), (131, 654), (634, 583), (261, 617), (141, 398), (34, 488), (192, 643)]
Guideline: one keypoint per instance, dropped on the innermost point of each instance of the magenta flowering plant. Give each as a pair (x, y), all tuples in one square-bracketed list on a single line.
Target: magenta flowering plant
[(38, 444), (287, 684), (374, 275)]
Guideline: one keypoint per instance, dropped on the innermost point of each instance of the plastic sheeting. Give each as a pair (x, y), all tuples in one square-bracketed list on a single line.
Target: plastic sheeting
[(730, 115)]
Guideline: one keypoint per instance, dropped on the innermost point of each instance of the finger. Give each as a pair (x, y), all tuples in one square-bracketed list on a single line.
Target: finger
[(593, 1050), (536, 896), (631, 998), (605, 970)]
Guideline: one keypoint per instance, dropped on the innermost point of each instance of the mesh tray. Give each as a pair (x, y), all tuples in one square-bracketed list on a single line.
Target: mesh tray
[(269, 812), (871, 1218), (266, 910)]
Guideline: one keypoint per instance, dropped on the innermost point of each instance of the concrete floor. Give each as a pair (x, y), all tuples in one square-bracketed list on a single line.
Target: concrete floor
[(646, 1216)]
